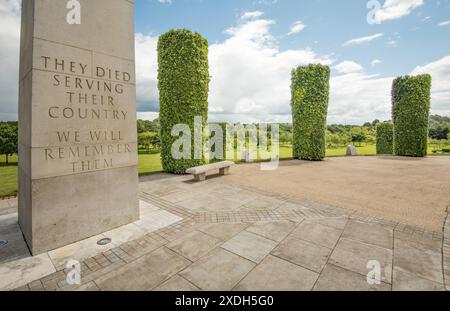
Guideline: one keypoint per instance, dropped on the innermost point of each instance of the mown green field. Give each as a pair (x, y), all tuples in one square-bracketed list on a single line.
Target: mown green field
[(366, 150), (8, 176), (151, 163)]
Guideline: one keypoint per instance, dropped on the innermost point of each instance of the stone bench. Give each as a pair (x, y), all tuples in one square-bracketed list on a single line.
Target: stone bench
[(199, 172)]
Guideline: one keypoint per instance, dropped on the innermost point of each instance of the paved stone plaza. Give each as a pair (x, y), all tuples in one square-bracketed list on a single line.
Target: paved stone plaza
[(217, 236)]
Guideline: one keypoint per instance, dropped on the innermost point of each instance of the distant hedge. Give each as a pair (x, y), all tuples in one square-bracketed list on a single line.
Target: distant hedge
[(385, 138), (183, 82), (310, 92), (410, 113)]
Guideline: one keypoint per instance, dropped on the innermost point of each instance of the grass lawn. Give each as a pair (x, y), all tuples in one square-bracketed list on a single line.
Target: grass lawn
[(365, 150), (285, 152), (8, 176), (371, 150), (149, 162)]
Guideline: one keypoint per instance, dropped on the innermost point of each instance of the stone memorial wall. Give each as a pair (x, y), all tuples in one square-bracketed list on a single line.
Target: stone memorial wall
[(77, 120)]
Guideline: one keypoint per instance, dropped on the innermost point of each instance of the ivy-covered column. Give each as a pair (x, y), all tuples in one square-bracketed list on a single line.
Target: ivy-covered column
[(183, 82), (410, 113), (385, 138), (310, 91)]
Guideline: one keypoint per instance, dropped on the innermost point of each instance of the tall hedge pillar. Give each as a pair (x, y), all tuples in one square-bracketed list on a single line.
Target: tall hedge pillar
[(385, 138), (183, 82), (310, 91), (410, 113)]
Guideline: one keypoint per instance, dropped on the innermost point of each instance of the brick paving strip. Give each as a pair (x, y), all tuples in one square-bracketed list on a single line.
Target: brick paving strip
[(312, 246), (446, 253)]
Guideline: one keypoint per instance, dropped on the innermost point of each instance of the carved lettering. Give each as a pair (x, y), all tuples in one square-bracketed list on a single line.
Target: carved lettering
[(92, 98)]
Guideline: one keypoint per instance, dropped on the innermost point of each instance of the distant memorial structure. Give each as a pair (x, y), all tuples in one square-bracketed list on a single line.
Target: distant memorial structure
[(77, 120), (351, 151)]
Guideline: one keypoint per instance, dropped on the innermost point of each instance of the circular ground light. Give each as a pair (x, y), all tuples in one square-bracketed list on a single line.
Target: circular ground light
[(104, 241), (3, 243)]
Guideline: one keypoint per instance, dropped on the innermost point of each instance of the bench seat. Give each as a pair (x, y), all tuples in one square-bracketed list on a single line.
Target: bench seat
[(199, 172)]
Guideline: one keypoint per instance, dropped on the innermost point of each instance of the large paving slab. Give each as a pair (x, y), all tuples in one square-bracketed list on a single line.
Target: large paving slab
[(16, 248), (125, 233), (303, 253), (176, 284), (223, 231), (155, 220), (223, 204), (354, 256), (316, 233), (418, 259), (8, 206), (250, 246), (145, 208), (263, 203), (194, 245), (369, 233), (406, 281), (20, 272), (334, 278), (221, 270), (273, 230), (88, 287), (433, 243), (333, 222), (145, 273), (275, 274)]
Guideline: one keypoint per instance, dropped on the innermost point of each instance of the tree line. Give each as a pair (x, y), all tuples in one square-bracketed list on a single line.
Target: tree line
[(337, 135), (8, 139)]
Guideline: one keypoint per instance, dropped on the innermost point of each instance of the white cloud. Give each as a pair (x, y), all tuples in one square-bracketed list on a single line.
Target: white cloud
[(9, 6), (348, 67), (296, 27), (393, 40), (446, 23), (251, 76), (165, 1), (440, 72), (363, 39), (392, 43), (146, 72), (375, 62), (149, 115), (250, 15), (356, 98), (394, 9), (9, 58)]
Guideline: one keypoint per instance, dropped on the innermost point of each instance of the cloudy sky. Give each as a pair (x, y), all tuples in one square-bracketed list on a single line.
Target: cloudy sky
[(255, 43)]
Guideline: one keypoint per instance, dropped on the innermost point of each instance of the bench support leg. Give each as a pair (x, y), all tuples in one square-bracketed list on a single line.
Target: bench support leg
[(200, 177), (224, 171)]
